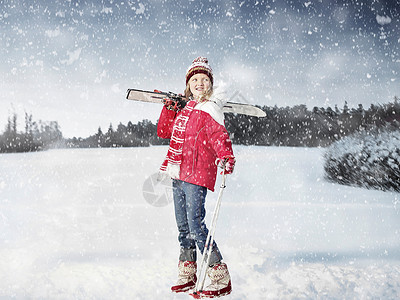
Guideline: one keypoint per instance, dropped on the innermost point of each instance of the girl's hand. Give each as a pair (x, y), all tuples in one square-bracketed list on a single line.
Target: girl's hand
[(172, 104), (229, 163)]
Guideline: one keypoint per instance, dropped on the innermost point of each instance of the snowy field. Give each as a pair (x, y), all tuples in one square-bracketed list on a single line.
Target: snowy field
[(74, 224)]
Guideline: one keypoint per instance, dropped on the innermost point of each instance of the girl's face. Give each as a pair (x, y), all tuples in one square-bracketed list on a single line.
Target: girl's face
[(199, 85)]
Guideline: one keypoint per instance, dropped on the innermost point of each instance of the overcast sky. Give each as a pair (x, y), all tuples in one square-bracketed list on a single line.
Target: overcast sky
[(72, 61)]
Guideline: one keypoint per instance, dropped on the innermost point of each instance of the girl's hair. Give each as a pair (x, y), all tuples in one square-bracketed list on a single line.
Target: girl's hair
[(206, 95)]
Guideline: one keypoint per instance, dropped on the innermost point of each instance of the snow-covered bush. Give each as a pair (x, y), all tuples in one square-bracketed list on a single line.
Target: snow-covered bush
[(369, 159)]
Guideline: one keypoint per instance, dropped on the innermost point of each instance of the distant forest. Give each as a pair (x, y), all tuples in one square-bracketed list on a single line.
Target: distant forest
[(36, 136), (283, 126)]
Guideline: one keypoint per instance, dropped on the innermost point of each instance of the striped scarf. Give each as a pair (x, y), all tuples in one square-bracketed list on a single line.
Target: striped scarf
[(173, 160)]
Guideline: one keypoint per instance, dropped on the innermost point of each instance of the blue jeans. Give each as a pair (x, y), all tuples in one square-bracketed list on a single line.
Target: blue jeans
[(189, 202)]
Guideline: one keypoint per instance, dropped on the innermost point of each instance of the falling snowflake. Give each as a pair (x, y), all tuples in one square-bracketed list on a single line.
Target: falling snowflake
[(383, 20)]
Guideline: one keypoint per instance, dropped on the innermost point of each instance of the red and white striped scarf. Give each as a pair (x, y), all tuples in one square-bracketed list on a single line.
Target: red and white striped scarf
[(173, 160)]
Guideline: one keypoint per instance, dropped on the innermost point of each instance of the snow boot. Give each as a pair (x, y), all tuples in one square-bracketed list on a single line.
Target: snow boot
[(186, 277), (220, 282)]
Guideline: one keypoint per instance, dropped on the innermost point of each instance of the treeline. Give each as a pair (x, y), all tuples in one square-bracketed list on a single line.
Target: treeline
[(37, 136), (299, 126), (142, 134), (283, 126)]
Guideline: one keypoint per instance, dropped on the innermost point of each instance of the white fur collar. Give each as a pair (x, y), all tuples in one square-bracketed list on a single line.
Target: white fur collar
[(212, 109)]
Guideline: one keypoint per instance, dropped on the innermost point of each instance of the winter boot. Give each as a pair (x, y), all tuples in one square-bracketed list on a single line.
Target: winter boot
[(186, 277), (220, 282)]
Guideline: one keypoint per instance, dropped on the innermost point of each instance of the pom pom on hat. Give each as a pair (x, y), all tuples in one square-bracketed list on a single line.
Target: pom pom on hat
[(199, 65)]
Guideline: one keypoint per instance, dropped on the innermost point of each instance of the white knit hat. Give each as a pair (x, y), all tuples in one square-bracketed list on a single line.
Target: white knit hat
[(200, 65)]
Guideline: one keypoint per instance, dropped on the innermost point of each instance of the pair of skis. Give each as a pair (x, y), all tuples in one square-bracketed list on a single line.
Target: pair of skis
[(158, 97)]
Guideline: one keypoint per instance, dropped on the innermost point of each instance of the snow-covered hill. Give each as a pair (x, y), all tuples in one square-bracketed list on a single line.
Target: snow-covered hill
[(74, 224)]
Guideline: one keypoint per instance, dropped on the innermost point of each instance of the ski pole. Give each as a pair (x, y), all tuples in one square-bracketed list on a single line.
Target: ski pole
[(210, 237)]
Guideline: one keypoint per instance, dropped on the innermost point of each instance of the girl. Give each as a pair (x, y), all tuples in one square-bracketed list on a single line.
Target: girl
[(198, 138)]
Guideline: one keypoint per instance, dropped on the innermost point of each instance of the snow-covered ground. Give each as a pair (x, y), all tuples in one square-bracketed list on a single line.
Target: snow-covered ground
[(74, 224)]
